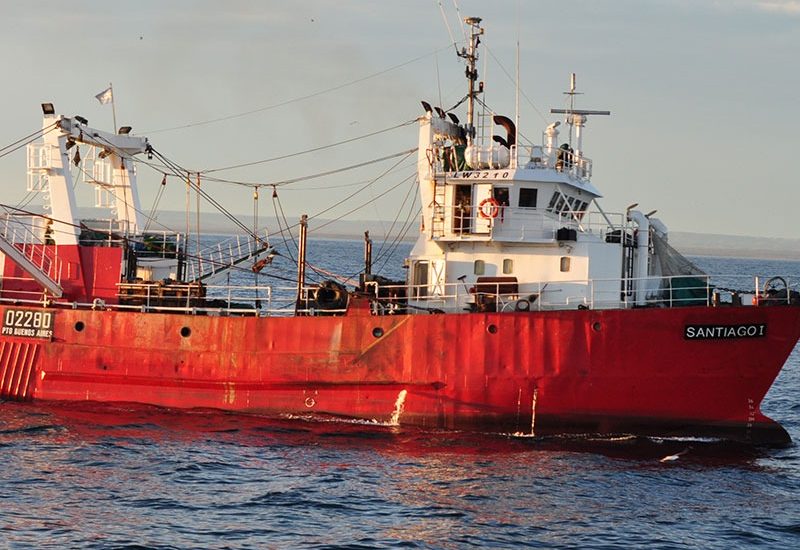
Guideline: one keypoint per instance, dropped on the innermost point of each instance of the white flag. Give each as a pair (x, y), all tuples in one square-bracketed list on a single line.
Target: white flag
[(106, 96)]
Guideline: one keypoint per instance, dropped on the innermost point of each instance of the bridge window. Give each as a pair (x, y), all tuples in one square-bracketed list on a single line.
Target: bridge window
[(527, 197), (500, 194)]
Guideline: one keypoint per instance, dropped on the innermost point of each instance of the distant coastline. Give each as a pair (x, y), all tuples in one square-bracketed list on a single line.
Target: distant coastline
[(735, 246)]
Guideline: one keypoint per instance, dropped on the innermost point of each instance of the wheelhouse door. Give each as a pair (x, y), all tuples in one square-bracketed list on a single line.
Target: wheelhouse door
[(483, 223)]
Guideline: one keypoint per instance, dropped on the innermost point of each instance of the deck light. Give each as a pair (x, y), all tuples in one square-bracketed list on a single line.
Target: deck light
[(124, 130), (48, 109), (81, 119)]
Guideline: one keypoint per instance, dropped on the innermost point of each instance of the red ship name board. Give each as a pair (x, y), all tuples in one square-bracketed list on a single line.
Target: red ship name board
[(724, 332), (27, 323)]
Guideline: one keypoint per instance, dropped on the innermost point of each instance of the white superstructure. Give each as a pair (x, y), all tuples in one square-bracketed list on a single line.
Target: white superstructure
[(506, 225)]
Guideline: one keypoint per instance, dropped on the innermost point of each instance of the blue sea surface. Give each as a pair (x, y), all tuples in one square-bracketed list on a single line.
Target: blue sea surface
[(124, 476)]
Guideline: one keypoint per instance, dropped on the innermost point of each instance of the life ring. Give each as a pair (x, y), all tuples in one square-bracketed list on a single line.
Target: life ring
[(488, 208)]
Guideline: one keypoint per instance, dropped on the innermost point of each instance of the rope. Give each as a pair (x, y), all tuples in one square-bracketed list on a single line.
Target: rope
[(313, 150), (300, 98)]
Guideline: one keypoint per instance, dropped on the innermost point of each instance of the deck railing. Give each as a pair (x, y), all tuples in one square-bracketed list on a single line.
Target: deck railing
[(511, 223), (484, 296), (575, 166), (508, 295)]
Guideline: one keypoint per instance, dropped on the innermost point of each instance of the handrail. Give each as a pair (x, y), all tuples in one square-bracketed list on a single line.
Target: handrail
[(610, 293), (491, 296), (519, 223), (221, 256)]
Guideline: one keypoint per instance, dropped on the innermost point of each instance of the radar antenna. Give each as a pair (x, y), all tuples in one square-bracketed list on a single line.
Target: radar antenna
[(576, 117)]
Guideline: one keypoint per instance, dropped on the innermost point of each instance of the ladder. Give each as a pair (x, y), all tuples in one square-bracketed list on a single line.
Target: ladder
[(438, 211)]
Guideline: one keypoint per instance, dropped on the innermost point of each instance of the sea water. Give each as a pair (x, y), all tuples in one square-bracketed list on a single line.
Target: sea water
[(111, 476)]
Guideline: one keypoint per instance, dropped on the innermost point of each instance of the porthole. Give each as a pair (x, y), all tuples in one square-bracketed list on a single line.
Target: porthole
[(186, 332), (79, 326), (596, 326), (491, 329), (377, 332)]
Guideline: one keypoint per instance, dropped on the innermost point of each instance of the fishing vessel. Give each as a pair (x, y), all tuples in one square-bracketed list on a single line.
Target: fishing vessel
[(526, 307)]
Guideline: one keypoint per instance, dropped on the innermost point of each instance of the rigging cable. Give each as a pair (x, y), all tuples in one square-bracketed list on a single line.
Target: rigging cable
[(313, 150), (178, 172), (407, 225), (314, 176), (327, 223), (447, 24), (397, 217), (351, 195), (22, 142), (301, 98), (275, 203), (156, 201), (513, 80), (109, 233)]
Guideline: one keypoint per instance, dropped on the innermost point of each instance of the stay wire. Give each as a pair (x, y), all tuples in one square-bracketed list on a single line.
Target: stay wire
[(407, 224), (211, 200), (312, 176), (513, 80), (307, 151), (354, 209), (400, 237), (486, 106), (359, 207), (351, 195), (300, 98), (275, 203), (22, 142), (396, 218)]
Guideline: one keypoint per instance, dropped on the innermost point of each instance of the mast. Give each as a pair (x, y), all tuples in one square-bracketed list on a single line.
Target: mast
[(113, 108), (471, 56), (301, 260)]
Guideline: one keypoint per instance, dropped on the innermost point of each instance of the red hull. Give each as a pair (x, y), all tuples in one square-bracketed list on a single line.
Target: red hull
[(595, 371)]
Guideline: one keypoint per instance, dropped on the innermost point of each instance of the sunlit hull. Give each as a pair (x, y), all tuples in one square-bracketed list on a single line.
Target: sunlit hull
[(601, 371)]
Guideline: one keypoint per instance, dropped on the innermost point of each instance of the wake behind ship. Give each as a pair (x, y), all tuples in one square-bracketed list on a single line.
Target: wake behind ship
[(526, 307)]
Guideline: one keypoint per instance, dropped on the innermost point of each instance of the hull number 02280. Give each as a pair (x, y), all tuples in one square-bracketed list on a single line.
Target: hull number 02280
[(27, 323)]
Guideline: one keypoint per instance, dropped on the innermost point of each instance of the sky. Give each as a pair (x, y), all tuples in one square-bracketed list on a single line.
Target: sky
[(704, 96)]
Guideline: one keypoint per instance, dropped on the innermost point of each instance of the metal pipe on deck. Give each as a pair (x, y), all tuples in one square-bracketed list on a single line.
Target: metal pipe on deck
[(367, 254), (642, 255)]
